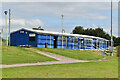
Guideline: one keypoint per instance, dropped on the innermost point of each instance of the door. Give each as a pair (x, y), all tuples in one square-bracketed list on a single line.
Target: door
[(95, 45), (55, 41)]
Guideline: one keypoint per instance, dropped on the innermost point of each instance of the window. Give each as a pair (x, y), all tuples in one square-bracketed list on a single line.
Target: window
[(90, 41), (63, 39), (22, 32), (99, 42), (59, 38), (104, 42), (73, 40), (87, 41), (81, 40), (31, 37), (76, 40), (70, 39)]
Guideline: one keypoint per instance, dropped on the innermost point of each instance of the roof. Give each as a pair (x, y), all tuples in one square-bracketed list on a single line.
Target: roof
[(60, 34)]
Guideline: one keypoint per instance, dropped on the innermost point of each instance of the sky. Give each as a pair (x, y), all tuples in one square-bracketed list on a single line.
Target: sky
[(48, 15)]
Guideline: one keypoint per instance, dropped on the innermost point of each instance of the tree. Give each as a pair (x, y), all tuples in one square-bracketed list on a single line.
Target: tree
[(107, 36), (116, 41), (39, 28), (98, 32), (89, 31), (78, 30)]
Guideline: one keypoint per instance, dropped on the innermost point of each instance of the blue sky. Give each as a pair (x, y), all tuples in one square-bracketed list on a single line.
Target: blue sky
[(48, 15)]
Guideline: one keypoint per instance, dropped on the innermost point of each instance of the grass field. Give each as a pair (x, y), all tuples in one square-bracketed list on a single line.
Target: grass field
[(74, 70), (103, 69), (77, 54), (14, 55)]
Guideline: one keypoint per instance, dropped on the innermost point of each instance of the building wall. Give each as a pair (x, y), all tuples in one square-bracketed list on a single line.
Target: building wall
[(42, 39), (70, 42), (19, 38)]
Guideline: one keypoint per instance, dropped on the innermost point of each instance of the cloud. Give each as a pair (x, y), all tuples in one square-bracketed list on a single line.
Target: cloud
[(34, 23), (95, 16), (70, 10), (23, 22), (27, 14), (20, 23), (107, 28)]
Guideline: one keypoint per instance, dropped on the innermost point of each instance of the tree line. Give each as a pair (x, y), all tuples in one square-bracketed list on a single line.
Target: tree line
[(98, 32)]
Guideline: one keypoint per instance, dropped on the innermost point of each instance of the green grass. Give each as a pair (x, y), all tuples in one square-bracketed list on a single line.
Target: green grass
[(107, 69), (15, 55), (104, 69), (77, 54), (111, 58)]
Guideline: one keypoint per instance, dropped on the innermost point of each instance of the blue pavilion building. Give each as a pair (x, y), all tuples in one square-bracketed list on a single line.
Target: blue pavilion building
[(42, 39)]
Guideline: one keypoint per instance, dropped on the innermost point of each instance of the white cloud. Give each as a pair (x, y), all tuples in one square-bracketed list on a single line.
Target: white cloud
[(34, 22), (20, 23), (71, 10), (23, 11), (23, 22)]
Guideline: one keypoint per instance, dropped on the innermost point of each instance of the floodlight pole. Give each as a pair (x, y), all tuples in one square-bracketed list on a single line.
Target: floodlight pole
[(6, 26), (111, 32), (9, 25), (62, 22), (62, 29)]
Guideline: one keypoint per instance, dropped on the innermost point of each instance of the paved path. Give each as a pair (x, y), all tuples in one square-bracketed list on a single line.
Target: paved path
[(61, 60), (52, 55), (40, 63)]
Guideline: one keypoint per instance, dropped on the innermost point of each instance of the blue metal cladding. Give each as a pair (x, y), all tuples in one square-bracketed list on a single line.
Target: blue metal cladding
[(104, 44), (18, 38), (81, 44), (13, 39), (100, 44), (42, 39), (55, 41), (95, 44)]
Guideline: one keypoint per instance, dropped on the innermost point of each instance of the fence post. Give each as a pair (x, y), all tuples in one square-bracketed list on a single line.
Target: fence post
[(118, 51)]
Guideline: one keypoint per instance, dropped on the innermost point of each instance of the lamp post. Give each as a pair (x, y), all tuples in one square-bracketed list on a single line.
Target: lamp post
[(62, 22), (9, 25), (62, 29), (6, 26), (111, 49)]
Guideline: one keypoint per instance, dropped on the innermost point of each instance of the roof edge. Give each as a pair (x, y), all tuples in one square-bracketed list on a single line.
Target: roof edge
[(57, 33)]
